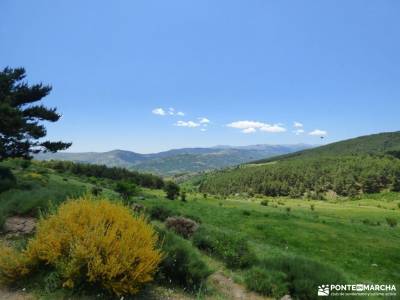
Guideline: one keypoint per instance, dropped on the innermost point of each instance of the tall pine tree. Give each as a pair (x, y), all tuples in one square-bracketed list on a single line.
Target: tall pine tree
[(21, 117)]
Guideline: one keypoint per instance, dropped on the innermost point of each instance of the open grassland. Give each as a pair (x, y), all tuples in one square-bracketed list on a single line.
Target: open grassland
[(353, 235), (335, 241)]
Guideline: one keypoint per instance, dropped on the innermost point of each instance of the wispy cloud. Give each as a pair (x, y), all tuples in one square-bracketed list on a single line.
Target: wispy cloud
[(318, 132), (159, 111), (298, 131), (170, 111), (203, 120), (249, 130), (189, 124), (253, 126), (298, 125), (273, 128)]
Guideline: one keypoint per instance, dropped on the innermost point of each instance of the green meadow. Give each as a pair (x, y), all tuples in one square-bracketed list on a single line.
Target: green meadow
[(352, 235)]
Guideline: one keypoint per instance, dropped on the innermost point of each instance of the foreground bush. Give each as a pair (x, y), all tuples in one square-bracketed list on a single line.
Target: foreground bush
[(303, 275), (269, 283), (230, 248), (182, 264), (90, 243), (183, 226)]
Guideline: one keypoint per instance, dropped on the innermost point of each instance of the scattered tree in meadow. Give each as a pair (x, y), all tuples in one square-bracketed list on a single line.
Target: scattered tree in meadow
[(126, 189), (183, 196), (21, 130), (172, 190)]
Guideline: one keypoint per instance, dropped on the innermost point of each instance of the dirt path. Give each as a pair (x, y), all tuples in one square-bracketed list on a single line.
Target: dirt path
[(12, 295), (233, 290)]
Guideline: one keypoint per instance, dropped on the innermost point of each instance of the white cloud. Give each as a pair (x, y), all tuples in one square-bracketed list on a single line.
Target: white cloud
[(318, 132), (298, 125), (252, 126), (170, 111), (273, 128), (245, 124), (298, 131), (203, 120), (249, 130), (203, 129), (159, 111), (189, 124)]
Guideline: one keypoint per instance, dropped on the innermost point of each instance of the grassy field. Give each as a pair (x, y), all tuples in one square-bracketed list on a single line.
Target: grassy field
[(353, 235), (350, 237)]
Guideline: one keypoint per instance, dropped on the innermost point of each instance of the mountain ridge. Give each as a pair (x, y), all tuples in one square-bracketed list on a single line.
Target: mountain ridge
[(175, 161)]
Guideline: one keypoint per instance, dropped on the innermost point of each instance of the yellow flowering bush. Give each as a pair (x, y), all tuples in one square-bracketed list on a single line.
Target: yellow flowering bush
[(98, 243), (13, 264)]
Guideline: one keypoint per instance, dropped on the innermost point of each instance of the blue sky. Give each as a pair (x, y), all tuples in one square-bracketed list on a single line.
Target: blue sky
[(332, 66)]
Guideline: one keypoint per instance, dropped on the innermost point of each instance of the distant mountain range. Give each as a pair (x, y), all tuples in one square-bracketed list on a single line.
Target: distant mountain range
[(178, 161)]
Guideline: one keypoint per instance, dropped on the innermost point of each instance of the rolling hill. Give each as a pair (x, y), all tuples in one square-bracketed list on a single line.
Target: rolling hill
[(177, 161), (370, 144), (367, 164)]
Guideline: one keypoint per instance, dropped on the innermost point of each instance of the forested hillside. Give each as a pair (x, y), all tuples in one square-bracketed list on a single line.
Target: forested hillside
[(381, 143), (363, 165)]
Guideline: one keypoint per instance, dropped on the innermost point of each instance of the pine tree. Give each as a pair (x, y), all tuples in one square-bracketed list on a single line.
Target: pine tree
[(21, 130)]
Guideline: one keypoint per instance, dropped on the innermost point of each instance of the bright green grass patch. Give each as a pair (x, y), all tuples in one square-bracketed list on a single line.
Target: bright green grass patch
[(333, 233)]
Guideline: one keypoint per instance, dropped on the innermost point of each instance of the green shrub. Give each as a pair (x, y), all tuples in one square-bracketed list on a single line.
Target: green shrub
[(172, 190), (268, 283), (126, 189), (392, 222), (96, 190), (183, 196), (246, 213), (264, 203), (160, 213), (232, 249), (7, 179), (303, 275), (182, 264)]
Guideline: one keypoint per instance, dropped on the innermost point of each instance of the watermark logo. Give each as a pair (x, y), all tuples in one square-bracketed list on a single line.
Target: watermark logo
[(366, 290), (323, 290)]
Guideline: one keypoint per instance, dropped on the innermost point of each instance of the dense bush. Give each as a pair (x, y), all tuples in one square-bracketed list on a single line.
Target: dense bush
[(303, 275), (268, 283), (160, 213), (13, 264), (182, 264), (183, 226), (231, 248), (126, 189), (392, 222), (90, 243), (172, 190), (311, 177), (7, 179), (101, 171)]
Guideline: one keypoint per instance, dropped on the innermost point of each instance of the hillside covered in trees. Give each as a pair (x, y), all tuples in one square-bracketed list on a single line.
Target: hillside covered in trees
[(381, 143), (363, 165)]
